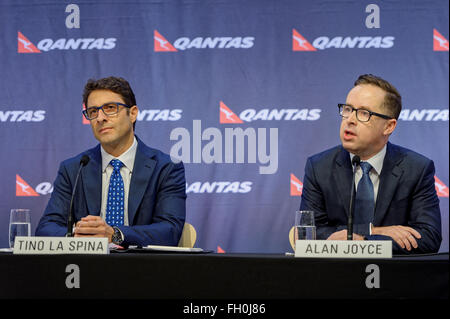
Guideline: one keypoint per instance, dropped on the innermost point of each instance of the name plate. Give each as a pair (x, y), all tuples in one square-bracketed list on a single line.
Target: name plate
[(343, 248), (60, 245)]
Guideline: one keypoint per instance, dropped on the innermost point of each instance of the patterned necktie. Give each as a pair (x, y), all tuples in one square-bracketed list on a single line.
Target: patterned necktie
[(364, 200), (116, 197)]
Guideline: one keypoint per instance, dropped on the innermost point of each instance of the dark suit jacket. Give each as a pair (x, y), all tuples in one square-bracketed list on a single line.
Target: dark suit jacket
[(406, 195), (156, 200)]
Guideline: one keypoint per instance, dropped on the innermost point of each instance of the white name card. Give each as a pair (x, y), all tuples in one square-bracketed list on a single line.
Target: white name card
[(343, 248), (60, 245)]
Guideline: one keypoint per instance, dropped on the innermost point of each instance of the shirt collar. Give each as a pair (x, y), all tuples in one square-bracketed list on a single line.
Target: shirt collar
[(127, 158), (375, 161)]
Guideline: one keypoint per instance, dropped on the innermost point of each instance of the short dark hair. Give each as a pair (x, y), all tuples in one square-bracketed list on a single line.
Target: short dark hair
[(392, 100), (115, 84)]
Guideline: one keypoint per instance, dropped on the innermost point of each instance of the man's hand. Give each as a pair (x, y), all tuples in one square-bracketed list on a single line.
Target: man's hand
[(342, 235), (402, 235), (93, 226)]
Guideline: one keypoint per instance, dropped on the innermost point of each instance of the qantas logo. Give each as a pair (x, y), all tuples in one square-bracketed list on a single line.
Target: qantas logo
[(159, 115), (26, 46), (300, 43), (219, 187), (24, 189), (227, 116), (439, 42), (441, 188), (296, 186), (161, 44), (424, 115), (22, 116)]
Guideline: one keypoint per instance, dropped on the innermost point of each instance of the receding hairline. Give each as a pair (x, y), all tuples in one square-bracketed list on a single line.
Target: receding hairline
[(392, 101)]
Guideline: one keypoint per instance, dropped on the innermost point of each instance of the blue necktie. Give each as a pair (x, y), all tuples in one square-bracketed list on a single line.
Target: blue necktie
[(364, 199), (116, 196)]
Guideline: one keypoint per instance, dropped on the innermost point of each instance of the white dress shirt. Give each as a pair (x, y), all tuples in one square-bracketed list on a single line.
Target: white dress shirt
[(127, 158)]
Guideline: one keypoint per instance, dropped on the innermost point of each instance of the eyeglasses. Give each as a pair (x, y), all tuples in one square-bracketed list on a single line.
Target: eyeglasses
[(108, 109), (362, 115)]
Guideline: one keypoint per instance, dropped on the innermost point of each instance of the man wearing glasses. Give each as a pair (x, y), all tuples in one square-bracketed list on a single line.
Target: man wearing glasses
[(395, 193), (128, 192)]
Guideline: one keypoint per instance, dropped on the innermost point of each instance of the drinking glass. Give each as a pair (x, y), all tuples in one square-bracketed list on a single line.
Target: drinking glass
[(304, 227), (19, 224)]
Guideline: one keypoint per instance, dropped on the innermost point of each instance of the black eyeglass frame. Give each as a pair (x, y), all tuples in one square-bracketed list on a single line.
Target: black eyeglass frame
[(341, 106), (101, 108)]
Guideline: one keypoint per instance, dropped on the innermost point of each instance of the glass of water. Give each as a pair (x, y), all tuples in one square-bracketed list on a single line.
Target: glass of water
[(304, 227), (19, 224)]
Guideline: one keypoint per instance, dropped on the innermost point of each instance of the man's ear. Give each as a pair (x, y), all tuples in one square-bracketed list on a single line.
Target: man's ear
[(134, 110), (390, 126)]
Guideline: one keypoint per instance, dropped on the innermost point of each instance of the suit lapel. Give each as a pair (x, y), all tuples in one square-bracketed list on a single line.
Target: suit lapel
[(389, 177), (92, 181), (143, 169), (343, 177)]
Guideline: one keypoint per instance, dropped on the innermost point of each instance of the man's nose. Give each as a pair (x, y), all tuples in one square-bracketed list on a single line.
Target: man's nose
[(101, 116), (352, 117)]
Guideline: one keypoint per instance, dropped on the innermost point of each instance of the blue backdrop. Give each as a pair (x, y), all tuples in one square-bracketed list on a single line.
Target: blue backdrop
[(269, 73)]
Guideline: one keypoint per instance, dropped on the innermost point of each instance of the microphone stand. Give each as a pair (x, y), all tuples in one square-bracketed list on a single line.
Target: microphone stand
[(84, 160)]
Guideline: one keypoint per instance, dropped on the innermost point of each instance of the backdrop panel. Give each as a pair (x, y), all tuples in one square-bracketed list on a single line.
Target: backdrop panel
[(269, 73)]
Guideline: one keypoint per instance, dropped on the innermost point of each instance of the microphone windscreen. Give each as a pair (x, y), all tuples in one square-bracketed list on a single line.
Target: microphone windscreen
[(356, 160), (84, 160)]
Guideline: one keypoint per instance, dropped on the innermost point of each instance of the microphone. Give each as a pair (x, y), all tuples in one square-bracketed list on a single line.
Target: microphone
[(83, 162), (355, 162)]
